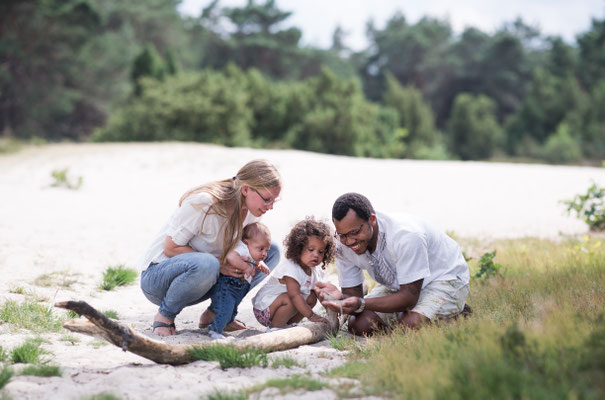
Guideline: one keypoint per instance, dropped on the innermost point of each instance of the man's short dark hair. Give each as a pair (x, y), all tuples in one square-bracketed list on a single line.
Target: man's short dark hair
[(352, 201)]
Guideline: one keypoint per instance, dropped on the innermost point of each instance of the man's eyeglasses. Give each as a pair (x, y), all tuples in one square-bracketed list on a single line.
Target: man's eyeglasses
[(353, 233), (268, 202)]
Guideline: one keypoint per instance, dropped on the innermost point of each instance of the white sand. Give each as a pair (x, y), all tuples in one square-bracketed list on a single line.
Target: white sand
[(130, 189)]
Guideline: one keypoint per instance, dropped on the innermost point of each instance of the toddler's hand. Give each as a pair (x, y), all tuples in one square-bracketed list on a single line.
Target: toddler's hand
[(317, 318)]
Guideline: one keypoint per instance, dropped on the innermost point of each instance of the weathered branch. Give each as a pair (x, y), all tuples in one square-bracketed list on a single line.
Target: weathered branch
[(99, 325)]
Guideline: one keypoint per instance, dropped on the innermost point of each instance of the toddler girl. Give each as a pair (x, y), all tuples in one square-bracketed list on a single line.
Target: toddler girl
[(288, 295)]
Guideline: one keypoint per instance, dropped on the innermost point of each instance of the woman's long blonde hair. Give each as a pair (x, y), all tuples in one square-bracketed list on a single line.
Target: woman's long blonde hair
[(227, 198)]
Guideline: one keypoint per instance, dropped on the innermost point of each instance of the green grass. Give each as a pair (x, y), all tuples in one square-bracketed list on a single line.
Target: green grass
[(342, 341), (41, 370), (63, 279), (538, 331), (102, 396), (111, 314), (118, 276), (70, 339), (285, 361), (30, 352), (6, 373), (30, 315), (62, 179), (3, 354), (287, 385), (221, 395), (231, 357)]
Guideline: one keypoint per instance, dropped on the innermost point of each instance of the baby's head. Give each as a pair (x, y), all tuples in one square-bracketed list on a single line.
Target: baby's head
[(310, 243), (258, 239)]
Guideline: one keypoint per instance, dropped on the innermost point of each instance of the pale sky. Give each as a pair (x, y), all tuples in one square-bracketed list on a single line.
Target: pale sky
[(318, 18)]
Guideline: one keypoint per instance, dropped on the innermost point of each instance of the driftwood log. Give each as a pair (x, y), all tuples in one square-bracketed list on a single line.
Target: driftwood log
[(99, 325)]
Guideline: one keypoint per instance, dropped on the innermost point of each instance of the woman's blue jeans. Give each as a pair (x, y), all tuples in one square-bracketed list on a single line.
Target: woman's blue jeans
[(187, 279)]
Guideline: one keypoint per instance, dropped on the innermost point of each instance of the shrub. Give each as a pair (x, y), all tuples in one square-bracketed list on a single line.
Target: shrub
[(118, 276), (589, 207)]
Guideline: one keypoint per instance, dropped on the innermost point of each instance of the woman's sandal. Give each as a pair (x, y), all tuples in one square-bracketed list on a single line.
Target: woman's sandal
[(160, 324)]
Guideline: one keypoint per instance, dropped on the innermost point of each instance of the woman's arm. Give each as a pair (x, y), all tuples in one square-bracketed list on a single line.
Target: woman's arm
[(172, 249)]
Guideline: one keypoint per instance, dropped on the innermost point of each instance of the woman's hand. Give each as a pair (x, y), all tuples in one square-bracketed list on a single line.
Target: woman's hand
[(235, 265)]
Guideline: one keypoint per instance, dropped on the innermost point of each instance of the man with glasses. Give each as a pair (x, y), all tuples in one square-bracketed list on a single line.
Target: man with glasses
[(421, 271)]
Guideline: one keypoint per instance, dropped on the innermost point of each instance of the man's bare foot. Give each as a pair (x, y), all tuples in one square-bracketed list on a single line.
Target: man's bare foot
[(206, 318), (159, 328)]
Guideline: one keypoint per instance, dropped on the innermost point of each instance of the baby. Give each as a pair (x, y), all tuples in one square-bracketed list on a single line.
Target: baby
[(229, 290)]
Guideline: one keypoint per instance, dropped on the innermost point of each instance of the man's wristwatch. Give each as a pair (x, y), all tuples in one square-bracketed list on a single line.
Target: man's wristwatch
[(361, 307)]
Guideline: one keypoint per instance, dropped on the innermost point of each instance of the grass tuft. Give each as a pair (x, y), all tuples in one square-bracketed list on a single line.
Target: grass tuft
[(30, 315), (286, 362), (287, 385), (111, 314), (118, 276), (221, 395), (41, 370), (231, 357), (6, 373), (342, 341), (64, 279), (30, 352), (3, 354), (103, 396)]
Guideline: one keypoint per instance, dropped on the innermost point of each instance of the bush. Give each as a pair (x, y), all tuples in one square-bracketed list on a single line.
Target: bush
[(473, 130), (561, 147), (589, 207)]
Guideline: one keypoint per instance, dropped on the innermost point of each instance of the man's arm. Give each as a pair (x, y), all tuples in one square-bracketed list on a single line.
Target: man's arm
[(405, 299)]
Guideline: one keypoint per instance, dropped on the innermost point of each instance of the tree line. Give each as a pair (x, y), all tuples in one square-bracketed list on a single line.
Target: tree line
[(108, 70)]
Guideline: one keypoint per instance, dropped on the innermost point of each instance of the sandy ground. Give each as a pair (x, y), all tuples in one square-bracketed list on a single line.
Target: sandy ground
[(130, 189)]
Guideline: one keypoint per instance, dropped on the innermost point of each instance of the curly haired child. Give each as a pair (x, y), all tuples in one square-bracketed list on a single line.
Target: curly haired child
[(288, 295)]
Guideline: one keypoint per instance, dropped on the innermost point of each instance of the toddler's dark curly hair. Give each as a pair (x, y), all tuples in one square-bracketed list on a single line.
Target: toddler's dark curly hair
[(298, 237)]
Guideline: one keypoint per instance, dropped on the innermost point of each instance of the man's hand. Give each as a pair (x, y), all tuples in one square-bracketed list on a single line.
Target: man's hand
[(345, 306), (326, 291)]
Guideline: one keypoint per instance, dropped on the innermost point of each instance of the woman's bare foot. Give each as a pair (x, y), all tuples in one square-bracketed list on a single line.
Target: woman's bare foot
[(206, 318), (163, 330)]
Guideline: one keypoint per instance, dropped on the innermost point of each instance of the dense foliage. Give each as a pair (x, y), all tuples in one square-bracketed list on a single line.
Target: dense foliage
[(139, 71)]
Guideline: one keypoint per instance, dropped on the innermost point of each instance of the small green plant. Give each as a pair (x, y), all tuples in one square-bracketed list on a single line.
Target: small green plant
[(41, 370), (118, 276), (111, 314), (98, 343), (285, 361), (70, 339), (29, 352), (17, 290), (30, 315), (230, 357), (589, 207), (293, 383), (72, 314), (6, 374), (62, 180), (342, 341), (63, 279), (220, 395), (3, 354), (487, 267), (103, 396)]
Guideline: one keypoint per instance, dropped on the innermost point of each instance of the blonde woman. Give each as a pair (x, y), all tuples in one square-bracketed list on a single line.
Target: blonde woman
[(183, 262)]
